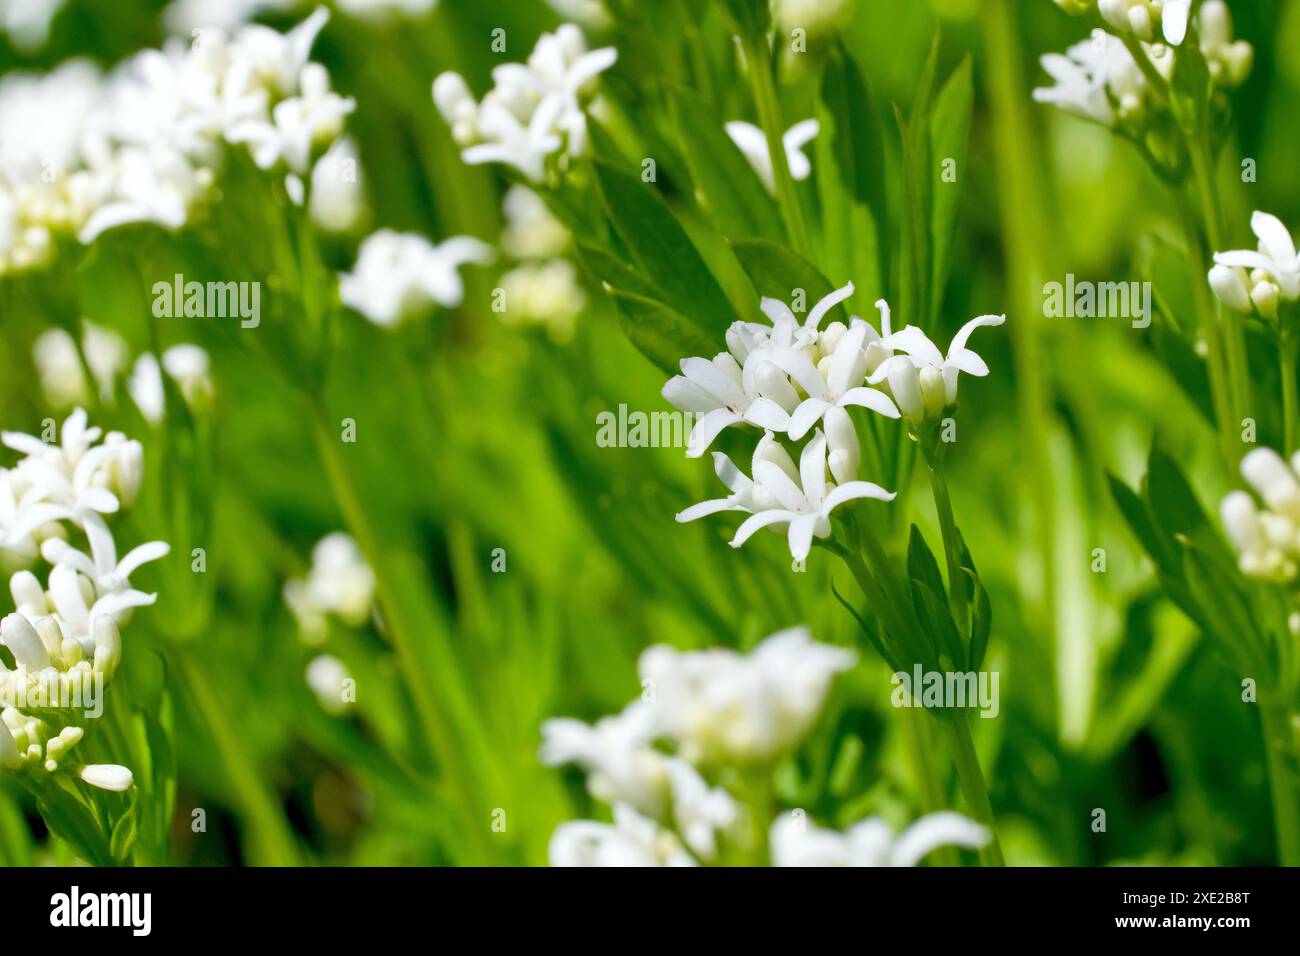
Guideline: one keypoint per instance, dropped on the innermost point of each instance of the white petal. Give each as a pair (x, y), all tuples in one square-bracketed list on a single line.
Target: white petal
[(871, 398), (808, 414), (1273, 237), (707, 429), (853, 490), (800, 536), (936, 830), (758, 521)]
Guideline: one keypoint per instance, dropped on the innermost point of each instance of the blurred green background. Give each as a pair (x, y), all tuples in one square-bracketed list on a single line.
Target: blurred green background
[(474, 436)]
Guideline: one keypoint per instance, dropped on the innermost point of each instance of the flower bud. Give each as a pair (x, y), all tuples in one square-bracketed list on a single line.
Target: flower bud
[(906, 387), (842, 439), (25, 644), (106, 776), (934, 395), (1265, 296), (1229, 286)]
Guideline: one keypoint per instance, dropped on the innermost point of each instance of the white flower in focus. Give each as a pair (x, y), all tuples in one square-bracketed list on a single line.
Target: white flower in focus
[(399, 274), (632, 840), (101, 566), (78, 475), (779, 496), (1274, 269), (1093, 78), (923, 381), (327, 676), (796, 842), (720, 706), (752, 142)]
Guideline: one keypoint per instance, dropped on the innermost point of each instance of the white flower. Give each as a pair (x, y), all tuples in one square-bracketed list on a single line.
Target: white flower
[(632, 840), (532, 231), (28, 21), (1229, 62), (1267, 540), (778, 495), (1275, 263), (73, 474), (338, 201), (534, 111), (1096, 77), (398, 274), (386, 9), (59, 364), (340, 582), (795, 842), (546, 293), (924, 380), (102, 567), (327, 676), (752, 142), (616, 753), (23, 512), (721, 706), (700, 812)]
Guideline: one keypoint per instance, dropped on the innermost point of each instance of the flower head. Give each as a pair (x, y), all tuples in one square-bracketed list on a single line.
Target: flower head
[(400, 274), (1246, 278), (795, 842), (752, 142)]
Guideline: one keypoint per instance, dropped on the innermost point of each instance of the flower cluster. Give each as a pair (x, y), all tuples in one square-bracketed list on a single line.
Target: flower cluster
[(1098, 78), (543, 289), (535, 110), (64, 637), (402, 274), (724, 717), (340, 583), (786, 378), (1267, 540), (82, 153), (1258, 280)]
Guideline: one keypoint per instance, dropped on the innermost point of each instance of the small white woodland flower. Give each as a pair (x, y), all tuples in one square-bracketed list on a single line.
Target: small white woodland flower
[(59, 365), (1229, 61), (719, 706), (534, 111), (1274, 269), (752, 142), (28, 21), (795, 842), (340, 582), (1096, 79), (386, 9), (1267, 540), (632, 840), (327, 676), (338, 201), (399, 274), (188, 365), (544, 293), (923, 381), (79, 475), (532, 231), (616, 753)]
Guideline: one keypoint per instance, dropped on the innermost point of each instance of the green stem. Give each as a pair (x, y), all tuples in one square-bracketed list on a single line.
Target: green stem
[(951, 543), (1287, 363), (769, 115), (1286, 801), (919, 744), (973, 788), (272, 839)]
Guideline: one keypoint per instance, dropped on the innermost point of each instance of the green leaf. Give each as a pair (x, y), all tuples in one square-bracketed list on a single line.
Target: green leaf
[(1171, 498), (949, 138), (662, 251), (933, 613), (981, 622), (776, 273), (661, 334), (611, 271), (922, 564), (731, 190), (123, 838), (1138, 519), (749, 18), (868, 628)]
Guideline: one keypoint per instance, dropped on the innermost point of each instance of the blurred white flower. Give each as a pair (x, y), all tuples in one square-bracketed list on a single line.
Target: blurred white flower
[(617, 754), (719, 706), (399, 274), (1274, 269), (28, 21), (328, 678), (632, 840), (338, 201), (183, 17), (1267, 540), (59, 365), (532, 231), (340, 582), (534, 111), (752, 141), (1229, 61), (544, 293), (795, 842), (386, 9)]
